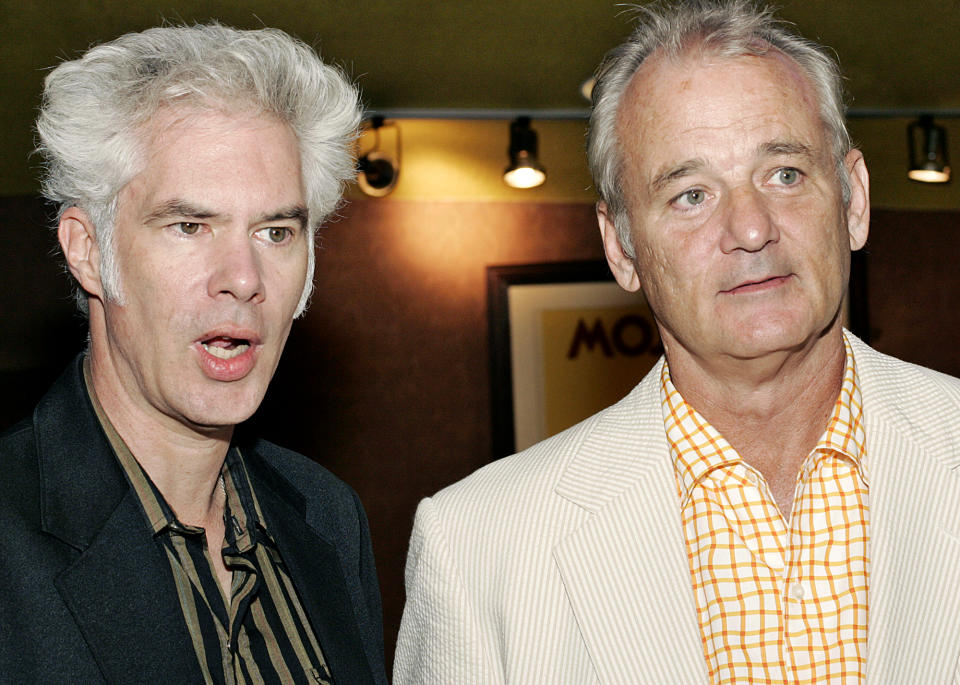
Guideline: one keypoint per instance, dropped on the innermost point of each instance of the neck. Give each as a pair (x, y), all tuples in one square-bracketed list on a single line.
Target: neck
[(772, 410), (183, 461)]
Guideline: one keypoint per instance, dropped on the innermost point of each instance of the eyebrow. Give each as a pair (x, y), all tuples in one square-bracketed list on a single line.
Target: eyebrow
[(298, 212), (172, 208), (785, 147), (664, 178), (183, 208)]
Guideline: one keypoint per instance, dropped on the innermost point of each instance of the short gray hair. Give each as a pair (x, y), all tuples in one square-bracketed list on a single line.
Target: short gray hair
[(723, 28), (95, 109)]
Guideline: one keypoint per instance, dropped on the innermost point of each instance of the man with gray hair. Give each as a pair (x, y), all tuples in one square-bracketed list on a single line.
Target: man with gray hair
[(775, 501), (142, 540)]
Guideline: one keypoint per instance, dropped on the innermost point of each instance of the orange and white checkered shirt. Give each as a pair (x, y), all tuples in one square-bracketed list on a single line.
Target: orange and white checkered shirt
[(777, 603)]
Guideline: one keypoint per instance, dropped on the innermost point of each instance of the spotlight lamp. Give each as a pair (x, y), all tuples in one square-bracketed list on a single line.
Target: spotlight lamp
[(586, 88), (929, 161), (377, 170), (524, 170)]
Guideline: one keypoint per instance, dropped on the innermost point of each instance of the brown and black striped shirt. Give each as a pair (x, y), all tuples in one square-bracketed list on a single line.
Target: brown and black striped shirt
[(260, 633)]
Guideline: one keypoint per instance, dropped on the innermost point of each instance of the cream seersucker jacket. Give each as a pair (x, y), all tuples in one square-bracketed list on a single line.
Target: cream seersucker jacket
[(566, 563)]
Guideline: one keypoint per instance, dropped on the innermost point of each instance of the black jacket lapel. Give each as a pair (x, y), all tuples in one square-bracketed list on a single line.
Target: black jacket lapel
[(121, 593), (317, 574), (119, 589)]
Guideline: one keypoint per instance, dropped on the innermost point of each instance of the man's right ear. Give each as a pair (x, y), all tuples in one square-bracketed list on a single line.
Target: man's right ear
[(78, 240), (623, 267)]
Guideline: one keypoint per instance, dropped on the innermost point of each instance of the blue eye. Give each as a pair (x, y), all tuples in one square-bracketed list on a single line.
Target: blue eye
[(692, 197), (277, 234), (788, 176)]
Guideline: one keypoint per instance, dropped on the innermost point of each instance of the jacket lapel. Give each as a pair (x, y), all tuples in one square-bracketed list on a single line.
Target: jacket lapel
[(121, 593), (117, 585), (314, 565), (625, 569), (914, 633), (914, 472)]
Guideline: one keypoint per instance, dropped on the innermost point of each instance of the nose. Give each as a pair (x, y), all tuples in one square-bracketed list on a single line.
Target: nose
[(237, 272), (748, 223)]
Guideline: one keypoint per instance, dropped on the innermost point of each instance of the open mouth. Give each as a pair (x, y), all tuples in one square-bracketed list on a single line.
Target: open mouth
[(223, 347)]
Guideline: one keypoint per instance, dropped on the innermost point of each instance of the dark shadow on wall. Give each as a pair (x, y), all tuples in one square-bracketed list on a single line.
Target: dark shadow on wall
[(40, 327), (913, 286)]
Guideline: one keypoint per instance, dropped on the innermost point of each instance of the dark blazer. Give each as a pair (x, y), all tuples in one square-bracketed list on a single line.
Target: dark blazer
[(86, 596)]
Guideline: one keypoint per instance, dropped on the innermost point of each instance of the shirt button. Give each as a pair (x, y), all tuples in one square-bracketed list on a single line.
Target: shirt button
[(752, 477), (797, 591)]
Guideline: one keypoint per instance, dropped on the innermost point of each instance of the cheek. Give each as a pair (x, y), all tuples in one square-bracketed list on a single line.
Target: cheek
[(287, 281), (839, 260), (166, 298), (162, 289), (148, 268), (833, 247), (680, 263), (662, 276)]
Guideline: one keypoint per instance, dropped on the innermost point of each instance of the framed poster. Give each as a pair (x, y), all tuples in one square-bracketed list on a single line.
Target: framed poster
[(565, 342)]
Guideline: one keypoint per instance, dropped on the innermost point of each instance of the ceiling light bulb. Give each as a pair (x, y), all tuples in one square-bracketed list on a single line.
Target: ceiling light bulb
[(524, 177), (525, 170)]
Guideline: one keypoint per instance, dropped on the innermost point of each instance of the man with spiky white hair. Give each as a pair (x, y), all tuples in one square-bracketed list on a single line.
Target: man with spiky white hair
[(142, 540)]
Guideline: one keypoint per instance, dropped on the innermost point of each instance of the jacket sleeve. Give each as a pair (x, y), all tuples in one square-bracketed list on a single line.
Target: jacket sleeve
[(440, 639)]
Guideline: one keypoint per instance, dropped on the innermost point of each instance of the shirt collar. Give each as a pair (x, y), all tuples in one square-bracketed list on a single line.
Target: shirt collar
[(243, 516), (845, 433), (696, 447)]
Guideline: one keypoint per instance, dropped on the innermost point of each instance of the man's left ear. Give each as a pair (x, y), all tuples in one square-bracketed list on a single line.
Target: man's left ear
[(858, 209)]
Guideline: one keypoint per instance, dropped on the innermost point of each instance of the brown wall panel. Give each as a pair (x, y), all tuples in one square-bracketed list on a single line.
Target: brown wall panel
[(913, 286)]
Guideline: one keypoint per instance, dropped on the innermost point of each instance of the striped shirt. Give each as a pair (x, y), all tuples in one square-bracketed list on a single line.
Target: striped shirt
[(777, 602), (260, 634)]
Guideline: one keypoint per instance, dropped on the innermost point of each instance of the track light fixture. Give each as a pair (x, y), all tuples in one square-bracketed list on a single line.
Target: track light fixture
[(586, 88), (378, 171), (524, 170), (929, 162)]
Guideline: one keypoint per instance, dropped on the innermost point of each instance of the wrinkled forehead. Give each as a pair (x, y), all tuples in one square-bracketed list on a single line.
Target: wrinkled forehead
[(678, 107), (223, 165), (662, 73)]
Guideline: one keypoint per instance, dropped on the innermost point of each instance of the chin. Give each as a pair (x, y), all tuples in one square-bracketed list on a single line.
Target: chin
[(213, 422), (216, 411), (752, 341)]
